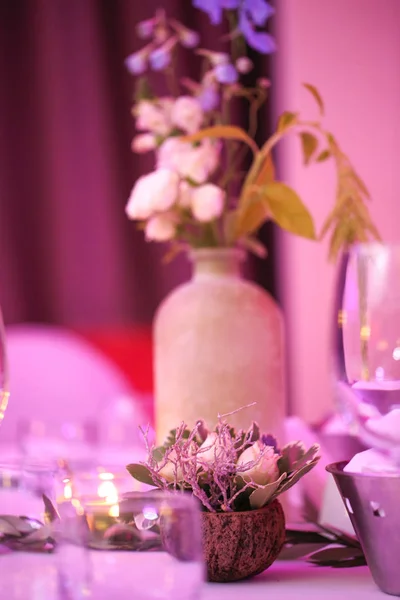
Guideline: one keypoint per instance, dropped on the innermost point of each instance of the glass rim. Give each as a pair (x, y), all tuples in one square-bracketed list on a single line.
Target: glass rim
[(375, 245), (173, 499), (24, 465)]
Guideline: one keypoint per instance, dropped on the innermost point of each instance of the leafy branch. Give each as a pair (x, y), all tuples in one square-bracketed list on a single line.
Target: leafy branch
[(263, 198)]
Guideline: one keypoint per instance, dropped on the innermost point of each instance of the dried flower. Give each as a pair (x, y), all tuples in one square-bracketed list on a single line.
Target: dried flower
[(226, 470)]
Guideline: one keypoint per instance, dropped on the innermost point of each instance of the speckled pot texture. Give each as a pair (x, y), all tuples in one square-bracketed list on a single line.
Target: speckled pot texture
[(242, 544)]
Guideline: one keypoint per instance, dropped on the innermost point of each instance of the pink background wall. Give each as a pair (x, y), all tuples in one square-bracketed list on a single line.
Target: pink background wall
[(349, 49)]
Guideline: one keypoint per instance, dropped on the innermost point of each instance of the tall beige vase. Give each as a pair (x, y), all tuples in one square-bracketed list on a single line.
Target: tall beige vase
[(218, 347)]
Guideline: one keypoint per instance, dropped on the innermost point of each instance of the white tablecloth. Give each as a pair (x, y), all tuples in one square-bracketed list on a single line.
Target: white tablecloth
[(295, 580), (285, 580)]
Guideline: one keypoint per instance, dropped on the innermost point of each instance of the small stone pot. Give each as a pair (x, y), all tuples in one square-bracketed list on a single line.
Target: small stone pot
[(238, 545)]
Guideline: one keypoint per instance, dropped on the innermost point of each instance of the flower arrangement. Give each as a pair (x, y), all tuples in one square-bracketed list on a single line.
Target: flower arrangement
[(201, 192), (227, 471)]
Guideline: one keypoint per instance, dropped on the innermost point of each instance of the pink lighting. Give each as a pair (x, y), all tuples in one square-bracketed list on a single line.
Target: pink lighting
[(351, 52)]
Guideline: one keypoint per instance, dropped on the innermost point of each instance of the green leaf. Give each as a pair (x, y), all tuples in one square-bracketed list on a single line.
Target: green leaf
[(324, 155), (140, 473), (265, 170), (309, 144), (159, 453), (335, 556), (290, 456), (287, 209), (363, 188), (316, 95), (300, 550), (251, 214), (286, 120), (51, 513), (171, 438), (260, 496), (254, 433), (297, 475), (225, 132), (310, 455), (301, 537)]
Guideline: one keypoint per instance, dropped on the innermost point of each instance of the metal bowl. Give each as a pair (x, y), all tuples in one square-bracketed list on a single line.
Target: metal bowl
[(372, 502)]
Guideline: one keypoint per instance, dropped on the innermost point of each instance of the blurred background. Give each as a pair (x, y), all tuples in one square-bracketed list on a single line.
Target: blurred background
[(69, 255)]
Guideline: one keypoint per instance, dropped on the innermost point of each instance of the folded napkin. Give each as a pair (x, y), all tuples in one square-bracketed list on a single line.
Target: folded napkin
[(373, 462), (386, 427)]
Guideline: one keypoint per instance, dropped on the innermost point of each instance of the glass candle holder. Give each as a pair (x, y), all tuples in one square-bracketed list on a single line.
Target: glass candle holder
[(142, 544)]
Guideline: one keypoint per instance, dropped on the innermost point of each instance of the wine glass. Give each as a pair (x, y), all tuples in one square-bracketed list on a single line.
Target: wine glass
[(367, 345), (4, 391)]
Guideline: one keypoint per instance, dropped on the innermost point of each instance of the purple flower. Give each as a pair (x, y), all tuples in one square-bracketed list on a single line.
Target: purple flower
[(208, 98), (189, 39), (269, 440), (212, 7), (258, 10), (136, 63), (260, 41), (226, 73), (144, 29), (230, 4), (160, 59), (252, 14)]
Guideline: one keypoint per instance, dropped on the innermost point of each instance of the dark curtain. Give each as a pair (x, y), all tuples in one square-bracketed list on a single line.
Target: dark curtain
[(68, 254)]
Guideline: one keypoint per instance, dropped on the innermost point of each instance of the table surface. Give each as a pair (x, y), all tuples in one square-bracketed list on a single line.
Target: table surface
[(284, 580), (293, 580)]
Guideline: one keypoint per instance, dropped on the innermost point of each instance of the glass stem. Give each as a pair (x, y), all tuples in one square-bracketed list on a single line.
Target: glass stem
[(363, 307)]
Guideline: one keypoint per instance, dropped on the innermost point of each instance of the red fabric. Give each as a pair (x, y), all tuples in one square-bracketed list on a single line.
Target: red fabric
[(131, 349)]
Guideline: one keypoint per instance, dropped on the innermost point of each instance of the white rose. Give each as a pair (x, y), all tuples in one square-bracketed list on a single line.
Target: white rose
[(207, 202), (266, 470), (193, 162), (161, 228), (143, 143), (169, 470), (153, 117), (187, 114), (210, 449), (152, 193)]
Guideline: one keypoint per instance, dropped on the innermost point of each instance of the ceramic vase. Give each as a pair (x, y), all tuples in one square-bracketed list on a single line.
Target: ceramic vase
[(218, 347)]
